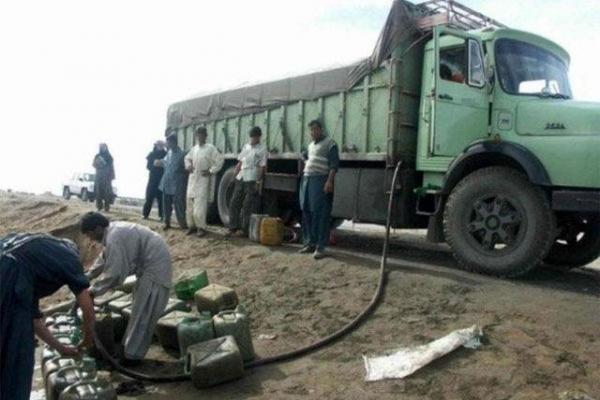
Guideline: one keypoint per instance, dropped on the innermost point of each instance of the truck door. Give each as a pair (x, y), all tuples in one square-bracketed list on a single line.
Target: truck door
[(460, 97)]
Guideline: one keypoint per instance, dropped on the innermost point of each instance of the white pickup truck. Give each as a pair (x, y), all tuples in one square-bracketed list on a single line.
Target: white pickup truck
[(82, 186)]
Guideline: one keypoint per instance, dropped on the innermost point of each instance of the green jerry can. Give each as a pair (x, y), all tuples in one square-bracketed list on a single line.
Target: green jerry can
[(172, 305), (80, 312), (54, 364), (49, 353), (215, 298), (64, 377), (128, 285), (254, 226), (102, 301), (185, 289), (166, 329), (117, 305), (176, 305), (89, 390), (194, 330), (215, 361), (236, 323)]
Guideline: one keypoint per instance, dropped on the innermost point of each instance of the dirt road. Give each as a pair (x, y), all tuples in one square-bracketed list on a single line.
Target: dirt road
[(541, 333)]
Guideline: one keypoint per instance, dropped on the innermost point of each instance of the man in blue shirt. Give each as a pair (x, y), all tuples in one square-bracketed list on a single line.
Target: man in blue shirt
[(173, 183), (316, 190), (33, 266)]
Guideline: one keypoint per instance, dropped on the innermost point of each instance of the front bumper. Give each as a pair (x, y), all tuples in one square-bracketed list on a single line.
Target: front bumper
[(576, 200)]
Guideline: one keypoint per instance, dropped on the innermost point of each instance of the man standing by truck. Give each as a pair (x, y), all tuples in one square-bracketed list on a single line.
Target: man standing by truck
[(203, 161), (250, 171), (316, 190), (173, 183), (154, 177)]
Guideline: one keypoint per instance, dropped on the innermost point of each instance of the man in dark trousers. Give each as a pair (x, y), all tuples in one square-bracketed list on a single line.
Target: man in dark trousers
[(316, 190), (250, 171), (34, 266), (155, 175), (173, 183)]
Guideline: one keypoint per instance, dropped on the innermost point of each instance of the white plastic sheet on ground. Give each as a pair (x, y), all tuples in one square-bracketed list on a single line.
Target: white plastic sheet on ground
[(407, 360)]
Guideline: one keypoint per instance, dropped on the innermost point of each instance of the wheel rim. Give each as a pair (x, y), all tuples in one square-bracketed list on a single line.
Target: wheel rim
[(495, 224), (575, 233)]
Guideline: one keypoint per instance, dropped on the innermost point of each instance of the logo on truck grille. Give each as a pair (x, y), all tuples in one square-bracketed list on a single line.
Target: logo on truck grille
[(555, 125)]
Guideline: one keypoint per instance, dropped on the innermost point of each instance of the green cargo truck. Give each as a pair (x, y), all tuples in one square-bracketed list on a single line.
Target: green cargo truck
[(496, 157)]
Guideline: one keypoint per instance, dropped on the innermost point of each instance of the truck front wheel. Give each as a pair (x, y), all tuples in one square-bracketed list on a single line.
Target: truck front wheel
[(498, 223), (578, 242), (224, 195)]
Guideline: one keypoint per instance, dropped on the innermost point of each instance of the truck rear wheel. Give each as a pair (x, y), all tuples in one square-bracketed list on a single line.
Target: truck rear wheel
[(578, 242), (225, 194), (498, 223), (84, 195), (66, 193)]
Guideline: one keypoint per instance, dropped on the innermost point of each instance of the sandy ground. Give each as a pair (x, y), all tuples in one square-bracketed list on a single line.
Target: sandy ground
[(541, 333)]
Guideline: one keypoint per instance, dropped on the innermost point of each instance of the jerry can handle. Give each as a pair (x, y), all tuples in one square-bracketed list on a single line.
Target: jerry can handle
[(227, 314), (88, 382), (69, 368)]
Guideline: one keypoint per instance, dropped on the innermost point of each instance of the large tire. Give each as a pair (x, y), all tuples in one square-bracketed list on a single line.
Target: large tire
[(498, 223), (224, 195), (66, 193), (85, 195), (578, 242)]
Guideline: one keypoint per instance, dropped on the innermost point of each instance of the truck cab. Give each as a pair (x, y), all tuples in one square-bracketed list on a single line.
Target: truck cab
[(510, 158)]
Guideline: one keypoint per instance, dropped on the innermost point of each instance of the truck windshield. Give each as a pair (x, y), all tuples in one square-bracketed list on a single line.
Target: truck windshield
[(530, 70)]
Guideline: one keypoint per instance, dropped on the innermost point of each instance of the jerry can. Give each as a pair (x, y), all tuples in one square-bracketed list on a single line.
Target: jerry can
[(185, 288), (215, 298), (166, 329), (54, 364), (128, 285), (89, 390), (60, 329), (97, 309), (236, 323), (194, 330), (172, 305), (61, 319), (215, 361), (117, 305), (271, 231), (254, 226), (64, 377), (176, 305), (49, 353), (106, 298)]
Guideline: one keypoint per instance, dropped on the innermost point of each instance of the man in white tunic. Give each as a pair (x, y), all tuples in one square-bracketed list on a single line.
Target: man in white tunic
[(203, 162), (131, 249), (250, 172)]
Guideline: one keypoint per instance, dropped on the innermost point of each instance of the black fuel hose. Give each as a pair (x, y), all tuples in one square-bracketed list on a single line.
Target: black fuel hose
[(304, 350)]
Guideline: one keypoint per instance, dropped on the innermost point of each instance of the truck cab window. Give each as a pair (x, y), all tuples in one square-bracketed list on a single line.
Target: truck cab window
[(452, 64)]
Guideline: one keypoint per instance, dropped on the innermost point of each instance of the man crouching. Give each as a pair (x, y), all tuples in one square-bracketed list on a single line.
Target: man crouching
[(131, 249)]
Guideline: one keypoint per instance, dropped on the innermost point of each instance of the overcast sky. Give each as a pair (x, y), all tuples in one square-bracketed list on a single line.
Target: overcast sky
[(75, 73)]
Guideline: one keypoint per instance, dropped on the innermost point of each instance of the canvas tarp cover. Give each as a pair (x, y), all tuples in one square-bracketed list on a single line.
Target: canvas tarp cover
[(400, 25)]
